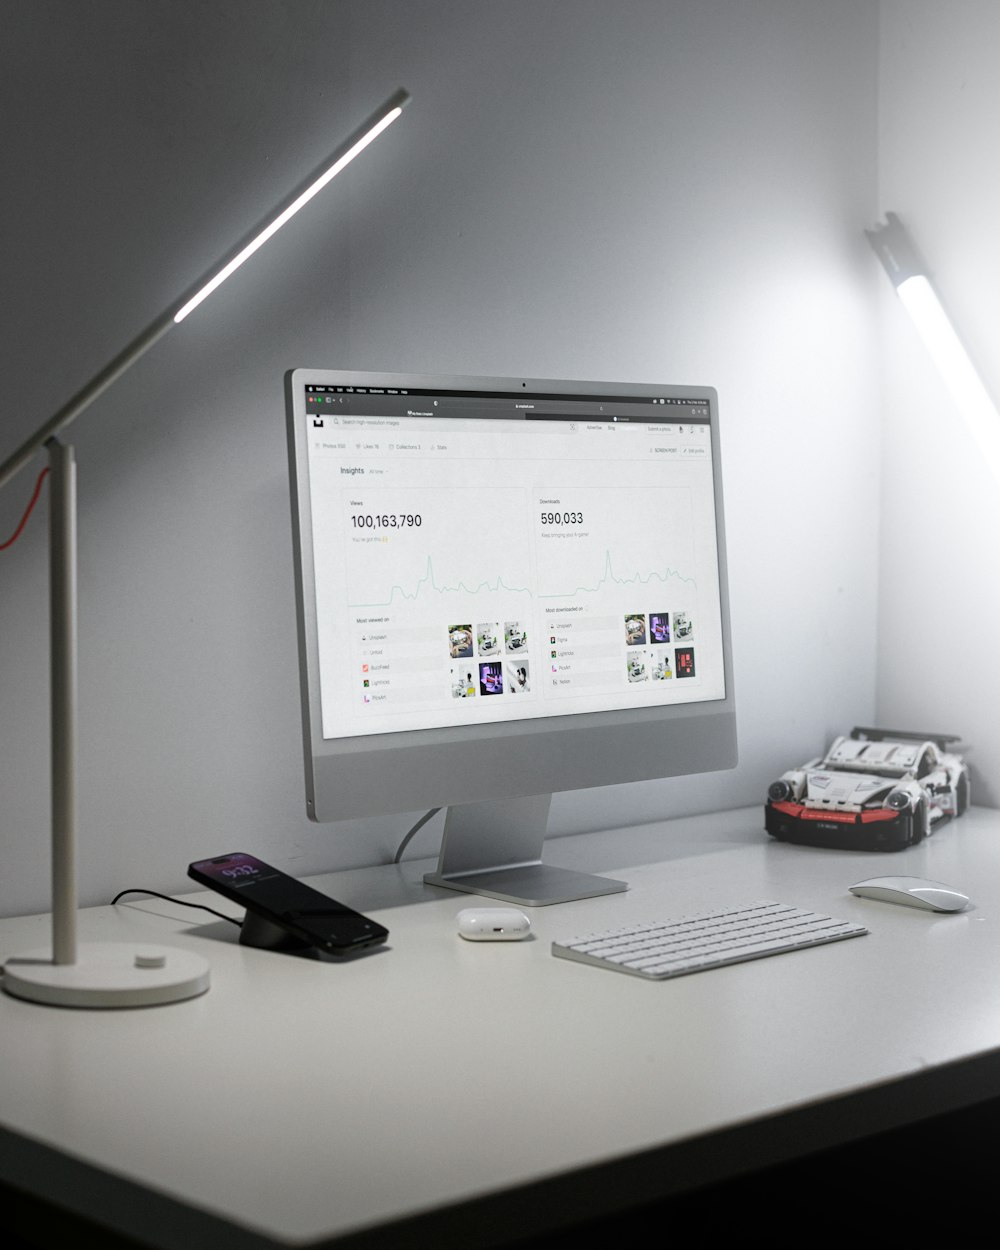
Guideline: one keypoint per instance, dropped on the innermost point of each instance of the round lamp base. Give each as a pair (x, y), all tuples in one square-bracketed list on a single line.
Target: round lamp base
[(108, 974)]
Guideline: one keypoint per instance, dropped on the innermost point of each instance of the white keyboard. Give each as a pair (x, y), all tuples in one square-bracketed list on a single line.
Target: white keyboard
[(672, 948)]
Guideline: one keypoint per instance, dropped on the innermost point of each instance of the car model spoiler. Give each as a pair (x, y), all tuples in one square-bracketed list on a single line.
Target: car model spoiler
[(944, 742)]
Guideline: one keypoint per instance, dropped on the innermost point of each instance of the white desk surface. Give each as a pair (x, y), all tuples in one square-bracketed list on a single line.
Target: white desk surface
[(442, 1092)]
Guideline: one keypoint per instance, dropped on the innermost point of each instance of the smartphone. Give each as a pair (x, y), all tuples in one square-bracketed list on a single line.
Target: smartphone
[(279, 904)]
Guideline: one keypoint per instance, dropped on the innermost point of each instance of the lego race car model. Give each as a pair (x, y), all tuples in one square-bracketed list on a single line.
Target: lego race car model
[(874, 790)]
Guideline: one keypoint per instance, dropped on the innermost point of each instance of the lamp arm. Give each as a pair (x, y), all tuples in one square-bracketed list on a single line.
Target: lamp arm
[(85, 397), (345, 152)]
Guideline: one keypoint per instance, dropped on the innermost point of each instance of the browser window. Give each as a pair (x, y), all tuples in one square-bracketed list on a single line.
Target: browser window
[(496, 556)]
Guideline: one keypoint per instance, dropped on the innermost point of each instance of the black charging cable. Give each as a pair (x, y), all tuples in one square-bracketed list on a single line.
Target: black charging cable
[(180, 902)]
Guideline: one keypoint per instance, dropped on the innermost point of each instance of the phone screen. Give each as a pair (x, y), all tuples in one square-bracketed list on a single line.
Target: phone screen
[(287, 901)]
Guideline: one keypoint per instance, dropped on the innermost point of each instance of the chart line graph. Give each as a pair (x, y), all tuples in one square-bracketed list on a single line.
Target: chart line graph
[(609, 577), (427, 583)]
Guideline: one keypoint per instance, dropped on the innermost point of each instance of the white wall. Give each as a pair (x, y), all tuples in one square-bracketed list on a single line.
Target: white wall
[(647, 190), (939, 600)]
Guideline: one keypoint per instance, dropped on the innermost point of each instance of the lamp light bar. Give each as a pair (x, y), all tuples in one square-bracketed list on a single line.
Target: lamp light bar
[(342, 156), (908, 275), (370, 130)]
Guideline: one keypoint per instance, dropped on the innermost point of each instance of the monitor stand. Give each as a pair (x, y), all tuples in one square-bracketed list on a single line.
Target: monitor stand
[(495, 849)]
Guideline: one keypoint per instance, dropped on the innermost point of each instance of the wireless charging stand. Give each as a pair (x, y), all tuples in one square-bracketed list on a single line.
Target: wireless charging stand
[(260, 932)]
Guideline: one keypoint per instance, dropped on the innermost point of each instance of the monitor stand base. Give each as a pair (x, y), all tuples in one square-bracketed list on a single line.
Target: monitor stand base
[(530, 885), (495, 849)]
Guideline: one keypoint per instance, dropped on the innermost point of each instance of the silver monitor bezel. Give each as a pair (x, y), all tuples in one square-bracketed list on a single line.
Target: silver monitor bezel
[(417, 769)]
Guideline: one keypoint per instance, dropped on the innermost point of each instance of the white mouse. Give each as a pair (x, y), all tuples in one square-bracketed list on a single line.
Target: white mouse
[(493, 924), (912, 892)]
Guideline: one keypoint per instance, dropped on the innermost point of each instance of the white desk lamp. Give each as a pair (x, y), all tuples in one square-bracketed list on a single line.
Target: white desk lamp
[(909, 276), (109, 974)]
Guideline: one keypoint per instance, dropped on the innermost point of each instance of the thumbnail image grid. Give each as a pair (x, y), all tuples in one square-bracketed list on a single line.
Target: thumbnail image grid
[(493, 658), (658, 630)]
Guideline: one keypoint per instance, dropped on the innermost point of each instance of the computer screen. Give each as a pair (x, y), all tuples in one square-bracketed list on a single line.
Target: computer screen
[(506, 588)]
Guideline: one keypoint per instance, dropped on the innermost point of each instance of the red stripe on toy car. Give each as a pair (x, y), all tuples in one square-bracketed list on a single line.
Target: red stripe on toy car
[(800, 812), (845, 818)]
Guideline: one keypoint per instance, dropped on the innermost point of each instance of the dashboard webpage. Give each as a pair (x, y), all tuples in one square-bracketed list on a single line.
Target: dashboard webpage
[(494, 557)]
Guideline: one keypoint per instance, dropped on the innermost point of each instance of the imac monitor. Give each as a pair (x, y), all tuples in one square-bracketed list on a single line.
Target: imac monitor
[(506, 588)]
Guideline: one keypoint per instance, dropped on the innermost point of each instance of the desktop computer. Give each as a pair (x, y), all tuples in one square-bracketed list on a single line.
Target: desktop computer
[(506, 588)]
